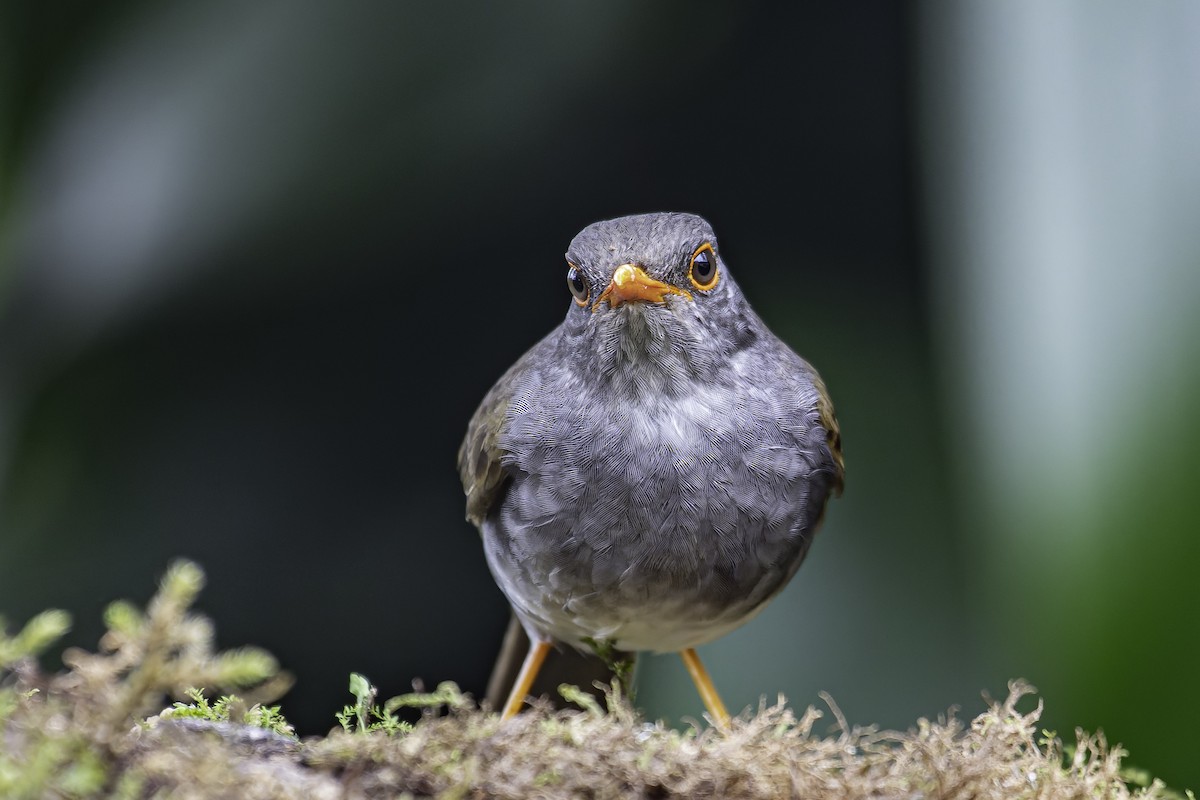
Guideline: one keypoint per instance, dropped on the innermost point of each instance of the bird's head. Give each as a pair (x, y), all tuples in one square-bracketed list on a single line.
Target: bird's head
[(653, 301)]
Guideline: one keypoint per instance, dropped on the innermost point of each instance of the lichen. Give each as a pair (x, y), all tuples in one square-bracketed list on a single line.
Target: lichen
[(91, 731)]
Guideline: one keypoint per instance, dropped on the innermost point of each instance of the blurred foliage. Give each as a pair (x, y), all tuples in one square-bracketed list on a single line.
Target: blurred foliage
[(1116, 607), (258, 264), (65, 734)]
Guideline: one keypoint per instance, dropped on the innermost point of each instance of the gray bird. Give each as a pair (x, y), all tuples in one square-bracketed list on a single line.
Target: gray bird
[(651, 473)]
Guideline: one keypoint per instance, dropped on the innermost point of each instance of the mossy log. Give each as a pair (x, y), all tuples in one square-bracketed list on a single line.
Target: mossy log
[(91, 731)]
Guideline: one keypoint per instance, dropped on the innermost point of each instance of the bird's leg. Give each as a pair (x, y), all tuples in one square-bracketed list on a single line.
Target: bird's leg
[(513, 650), (704, 685), (529, 670)]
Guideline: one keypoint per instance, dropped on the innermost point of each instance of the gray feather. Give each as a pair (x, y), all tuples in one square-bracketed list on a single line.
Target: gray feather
[(653, 473)]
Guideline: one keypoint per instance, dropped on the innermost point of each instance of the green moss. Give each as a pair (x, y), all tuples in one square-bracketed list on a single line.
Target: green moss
[(228, 708), (85, 733), (618, 663), (38, 634), (365, 715)]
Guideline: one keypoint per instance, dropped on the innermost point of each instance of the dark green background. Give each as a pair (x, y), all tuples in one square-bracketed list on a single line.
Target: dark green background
[(260, 263)]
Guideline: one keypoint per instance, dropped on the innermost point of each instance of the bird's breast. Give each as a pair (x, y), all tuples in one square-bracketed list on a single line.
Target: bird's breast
[(630, 472), (702, 502)]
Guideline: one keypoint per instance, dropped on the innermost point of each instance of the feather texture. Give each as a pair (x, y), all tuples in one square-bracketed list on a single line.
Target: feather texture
[(650, 474)]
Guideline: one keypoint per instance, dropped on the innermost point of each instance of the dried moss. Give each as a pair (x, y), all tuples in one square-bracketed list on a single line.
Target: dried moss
[(84, 733)]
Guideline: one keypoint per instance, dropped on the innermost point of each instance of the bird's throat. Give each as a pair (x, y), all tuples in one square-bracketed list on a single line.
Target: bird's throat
[(649, 354)]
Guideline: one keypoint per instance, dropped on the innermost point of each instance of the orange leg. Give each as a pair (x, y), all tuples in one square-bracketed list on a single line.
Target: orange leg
[(704, 685), (529, 670)]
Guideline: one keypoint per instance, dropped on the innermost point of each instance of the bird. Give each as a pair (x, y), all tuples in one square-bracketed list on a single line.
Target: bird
[(650, 474)]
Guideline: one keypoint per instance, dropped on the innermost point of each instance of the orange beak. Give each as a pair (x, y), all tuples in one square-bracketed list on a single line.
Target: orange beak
[(631, 283)]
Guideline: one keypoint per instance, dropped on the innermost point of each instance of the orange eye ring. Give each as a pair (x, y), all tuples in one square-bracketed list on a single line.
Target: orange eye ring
[(702, 269)]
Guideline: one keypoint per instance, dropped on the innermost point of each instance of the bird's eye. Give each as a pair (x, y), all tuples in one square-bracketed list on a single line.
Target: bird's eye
[(703, 268), (577, 283)]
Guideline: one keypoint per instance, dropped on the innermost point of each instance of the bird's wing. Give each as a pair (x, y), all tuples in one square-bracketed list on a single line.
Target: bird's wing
[(833, 432), (479, 458), (792, 367)]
